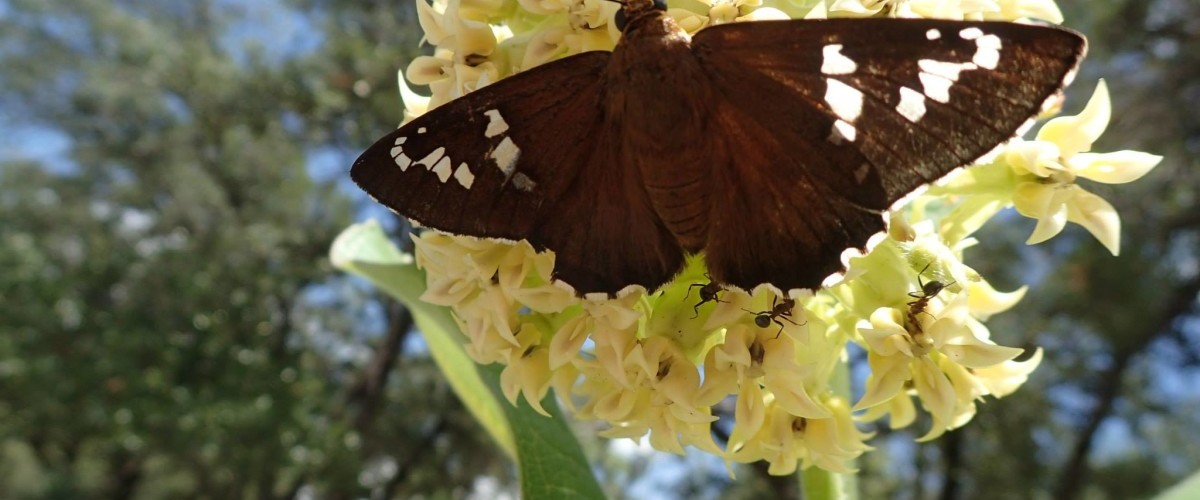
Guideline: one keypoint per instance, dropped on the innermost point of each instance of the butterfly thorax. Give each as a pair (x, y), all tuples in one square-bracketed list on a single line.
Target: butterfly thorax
[(654, 90)]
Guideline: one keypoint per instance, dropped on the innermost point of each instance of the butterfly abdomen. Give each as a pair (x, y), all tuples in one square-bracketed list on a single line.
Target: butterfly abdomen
[(662, 101)]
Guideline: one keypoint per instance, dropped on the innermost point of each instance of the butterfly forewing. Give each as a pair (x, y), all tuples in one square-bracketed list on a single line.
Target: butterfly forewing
[(530, 157), (920, 97), (833, 121), (492, 163)]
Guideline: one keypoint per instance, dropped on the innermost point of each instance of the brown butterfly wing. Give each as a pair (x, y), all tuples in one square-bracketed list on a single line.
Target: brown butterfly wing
[(830, 122), (480, 175), (604, 231), (529, 157)]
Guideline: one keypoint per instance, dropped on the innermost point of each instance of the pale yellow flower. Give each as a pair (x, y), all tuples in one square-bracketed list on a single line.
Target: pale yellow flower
[(1005, 378), (1048, 167), (1011, 10), (789, 442), (934, 9), (527, 369), (753, 355), (936, 355)]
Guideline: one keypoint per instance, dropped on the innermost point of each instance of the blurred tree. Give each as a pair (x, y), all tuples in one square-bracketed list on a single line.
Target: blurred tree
[(170, 324)]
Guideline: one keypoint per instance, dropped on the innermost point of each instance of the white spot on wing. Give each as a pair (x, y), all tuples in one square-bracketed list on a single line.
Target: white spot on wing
[(421, 130), (505, 155), (970, 33), (947, 70), (834, 63), (842, 132), (844, 100), (912, 104), (935, 87), (933, 34), (430, 159), (400, 140), (442, 169), (989, 42), (987, 58), (987, 51), (464, 176), (403, 161), (496, 124)]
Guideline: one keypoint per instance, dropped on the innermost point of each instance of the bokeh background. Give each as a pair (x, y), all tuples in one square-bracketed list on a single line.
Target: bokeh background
[(173, 172)]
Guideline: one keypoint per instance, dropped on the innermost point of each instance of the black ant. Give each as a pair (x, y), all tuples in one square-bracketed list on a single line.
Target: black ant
[(779, 311), (927, 293), (708, 293)]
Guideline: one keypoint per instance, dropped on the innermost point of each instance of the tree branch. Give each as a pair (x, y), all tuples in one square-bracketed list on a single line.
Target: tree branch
[(367, 392), (1179, 303)]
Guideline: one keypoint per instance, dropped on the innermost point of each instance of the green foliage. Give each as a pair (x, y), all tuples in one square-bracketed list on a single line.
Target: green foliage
[(549, 460), (364, 249), (170, 322)]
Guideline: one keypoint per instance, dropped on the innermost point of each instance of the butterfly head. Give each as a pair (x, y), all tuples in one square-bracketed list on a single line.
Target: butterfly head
[(632, 9)]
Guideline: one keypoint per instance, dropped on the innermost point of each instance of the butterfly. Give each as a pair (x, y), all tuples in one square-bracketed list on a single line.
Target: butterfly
[(770, 146)]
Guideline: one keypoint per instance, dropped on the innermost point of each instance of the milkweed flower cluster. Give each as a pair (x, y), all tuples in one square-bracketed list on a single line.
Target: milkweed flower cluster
[(669, 368)]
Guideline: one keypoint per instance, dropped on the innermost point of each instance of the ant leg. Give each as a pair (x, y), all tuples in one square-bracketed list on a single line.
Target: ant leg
[(689, 290), (923, 269)]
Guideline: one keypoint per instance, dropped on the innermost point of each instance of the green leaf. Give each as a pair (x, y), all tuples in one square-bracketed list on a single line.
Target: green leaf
[(363, 249), (551, 462), (549, 458), (1186, 490)]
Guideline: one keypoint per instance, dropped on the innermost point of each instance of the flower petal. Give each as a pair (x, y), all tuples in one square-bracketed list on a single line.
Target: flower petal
[(984, 301), (936, 392), (432, 23), (414, 104), (1075, 134), (424, 70), (749, 414), (855, 8), (1039, 158), (1114, 168), (979, 355), (1044, 203), (567, 341), (1011, 10), (1004, 378), (1099, 217), (888, 375)]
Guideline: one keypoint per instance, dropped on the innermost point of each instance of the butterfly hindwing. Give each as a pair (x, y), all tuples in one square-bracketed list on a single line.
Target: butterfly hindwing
[(491, 163), (604, 232), (838, 119), (771, 222)]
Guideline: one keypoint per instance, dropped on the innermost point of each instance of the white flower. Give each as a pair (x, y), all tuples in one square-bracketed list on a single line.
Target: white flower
[(1011, 10), (1048, 167), (937, 356), (936, 9)]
